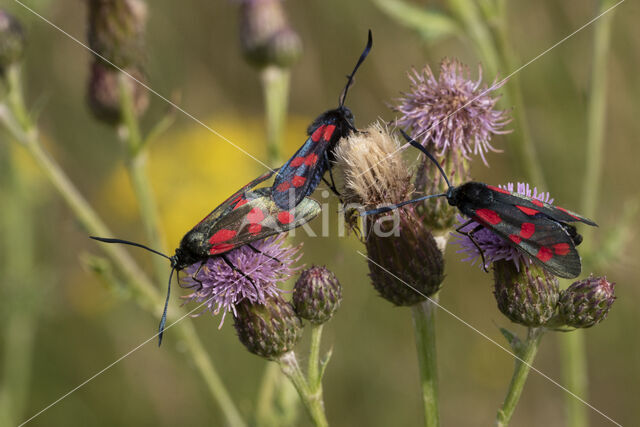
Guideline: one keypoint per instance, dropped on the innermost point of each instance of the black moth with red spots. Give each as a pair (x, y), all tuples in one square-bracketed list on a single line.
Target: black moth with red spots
[(302, 173), (248, 215), (538, 229)]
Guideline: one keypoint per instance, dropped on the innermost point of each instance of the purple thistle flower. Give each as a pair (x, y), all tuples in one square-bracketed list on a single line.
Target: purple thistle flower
[(222, 288), (495, 248), (452, 113)]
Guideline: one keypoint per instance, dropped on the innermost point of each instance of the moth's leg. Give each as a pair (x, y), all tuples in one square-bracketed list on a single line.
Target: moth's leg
[(470, 234), (194, 277), (258, 251), (332, 185), (236, 269)]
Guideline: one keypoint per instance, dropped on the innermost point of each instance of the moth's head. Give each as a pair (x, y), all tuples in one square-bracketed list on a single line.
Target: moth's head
[(466, 193), (341, 117)]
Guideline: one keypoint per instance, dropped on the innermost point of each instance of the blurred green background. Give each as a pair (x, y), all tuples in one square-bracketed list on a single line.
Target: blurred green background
[(193, 49)]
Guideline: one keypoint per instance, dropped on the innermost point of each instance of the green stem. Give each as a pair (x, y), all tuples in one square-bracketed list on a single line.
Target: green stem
[(522, 144), (425, 331), (526, 354), (275, 84), (146, 295), (21, 305), (136, 167), (313, 369), (572, 346), (312, 400)]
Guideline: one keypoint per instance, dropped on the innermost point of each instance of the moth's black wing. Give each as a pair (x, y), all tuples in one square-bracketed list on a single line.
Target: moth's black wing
[(543, 238), (533, 206)]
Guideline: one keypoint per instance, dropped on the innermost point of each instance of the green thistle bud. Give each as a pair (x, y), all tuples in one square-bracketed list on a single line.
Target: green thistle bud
[(103, 94), (528, 296), (317, 295), (265, 34), (586, 302), (411, 254), (116, 30), (268, 330), (12, 40)]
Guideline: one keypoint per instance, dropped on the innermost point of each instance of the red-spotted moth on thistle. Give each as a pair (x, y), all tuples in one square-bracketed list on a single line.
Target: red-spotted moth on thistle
[(302, 173), (248, 215), (536, 228)]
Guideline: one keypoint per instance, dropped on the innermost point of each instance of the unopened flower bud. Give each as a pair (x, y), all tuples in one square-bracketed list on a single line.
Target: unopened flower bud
[(104, 92), (405, 266), (116, 30), (528, 295), (317, 295), (586, 302), (265, 34), (12, 40), (268, 330)]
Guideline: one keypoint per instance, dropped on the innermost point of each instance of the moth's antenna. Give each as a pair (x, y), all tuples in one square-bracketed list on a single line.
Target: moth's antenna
[(163, 320), (426, 153), (126, 242), (364, 54), (407, 202)]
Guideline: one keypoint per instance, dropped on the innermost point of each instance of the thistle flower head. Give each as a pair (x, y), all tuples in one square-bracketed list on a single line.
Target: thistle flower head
[(222, 288), (12, 40), (268, 329), (103, 93), (317, 295), (587, 302), (373, 168), (494, 247), (265, 34), (527, 295), (452, 114), (116, 30)]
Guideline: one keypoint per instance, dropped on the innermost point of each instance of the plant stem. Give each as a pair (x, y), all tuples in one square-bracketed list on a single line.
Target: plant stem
[(136, 167), (313, 369), (521, 140), (21, 304), (145, 294), (312, 399), (573, 345), (275, 85), (424, 326), (522, 367)]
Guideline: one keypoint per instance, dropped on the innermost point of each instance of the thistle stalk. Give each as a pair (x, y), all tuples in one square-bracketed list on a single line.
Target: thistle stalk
[(425, 331), (526, 353), (275, 87)]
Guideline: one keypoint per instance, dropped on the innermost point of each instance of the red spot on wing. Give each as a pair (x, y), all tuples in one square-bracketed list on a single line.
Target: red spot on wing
[(285, 217), (527, 211), (222, 236), (498, 189), (240, 203), (284, 186), (311, 159), (515, 239), (317, 134), (297, 161), (298, 181), (527, 229), (488, 216), (544, 254), (561, 248), (255, 229), (568, 213), (328, 132), (255, 216), (537, 203), (221, 248)]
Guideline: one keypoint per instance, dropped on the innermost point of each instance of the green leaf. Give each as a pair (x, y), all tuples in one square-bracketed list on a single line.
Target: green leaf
[(513, 339), (324, 362), (431, 24)]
